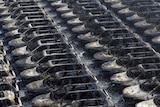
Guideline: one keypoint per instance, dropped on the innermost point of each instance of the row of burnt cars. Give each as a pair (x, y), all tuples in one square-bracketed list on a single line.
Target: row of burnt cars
[(9, 96), (143, 17), (48, 71), (125, 61)]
